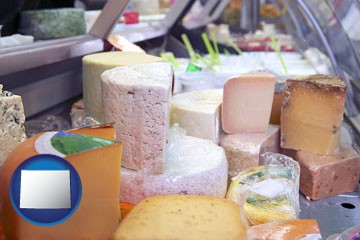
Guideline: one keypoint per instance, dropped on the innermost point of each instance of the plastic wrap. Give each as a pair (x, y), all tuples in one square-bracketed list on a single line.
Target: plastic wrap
[(269, 192), (298, 229), (192, 166), (352, 233)]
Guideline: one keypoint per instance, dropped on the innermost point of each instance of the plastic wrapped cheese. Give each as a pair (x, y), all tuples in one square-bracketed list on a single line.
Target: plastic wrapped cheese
[(96, 159), (269, 192), (298, 229), (192, 166)]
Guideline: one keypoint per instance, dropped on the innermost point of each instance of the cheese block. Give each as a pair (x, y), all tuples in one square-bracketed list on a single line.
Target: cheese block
[(286, 230), (94, 65), (243, 150), (52, 23), (183, 217), (193, 166), (276, 105), (312, 113), (137, 99), (247, 102), (329, 175), (198, 113), (98, 213), (269, 192), (12, 123)]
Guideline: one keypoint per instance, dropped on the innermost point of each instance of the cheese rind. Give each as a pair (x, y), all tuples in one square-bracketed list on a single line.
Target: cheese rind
[(198, 113), (94, 65), (98, 213), (247, 102), (312, 114), (137, 99), (183, 217), (329, 175), (12, 122), (243, 150), (193, 166)]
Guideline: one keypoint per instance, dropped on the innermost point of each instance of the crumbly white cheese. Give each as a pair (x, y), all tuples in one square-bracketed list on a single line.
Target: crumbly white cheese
[(137, 99), (12, 130), (198, 113), (193, 166)]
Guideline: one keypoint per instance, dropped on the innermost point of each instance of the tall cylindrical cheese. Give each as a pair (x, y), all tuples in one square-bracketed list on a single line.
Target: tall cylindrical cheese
[(98, 213), (94, 65), (193, 166), (137, 99)]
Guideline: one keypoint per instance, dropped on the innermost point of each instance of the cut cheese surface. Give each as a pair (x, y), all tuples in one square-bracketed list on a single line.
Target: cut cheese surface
[(193, 166), (12, 121), (329, 175), (95, 64), (183, 217), (247, 102), (296, 229), (243, 150), (198, 113), (137, 99), (98, 213), (312, 114)]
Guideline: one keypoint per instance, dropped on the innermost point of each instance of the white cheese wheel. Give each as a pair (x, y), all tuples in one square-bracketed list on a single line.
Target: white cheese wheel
[(193, 166), (94, 65)]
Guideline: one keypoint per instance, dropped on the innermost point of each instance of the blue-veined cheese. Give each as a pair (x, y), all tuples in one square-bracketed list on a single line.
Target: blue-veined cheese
[(52, 23), (12, 131)]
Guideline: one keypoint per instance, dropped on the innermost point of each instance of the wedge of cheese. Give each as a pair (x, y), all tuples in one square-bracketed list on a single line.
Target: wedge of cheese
[(94, 65), (12, 120), (296, 229), (183, 217), (98, 166), (193, 166), (329, 175), (137, 99), (243, 150), (247, 102), (198, 113), (312, 113)]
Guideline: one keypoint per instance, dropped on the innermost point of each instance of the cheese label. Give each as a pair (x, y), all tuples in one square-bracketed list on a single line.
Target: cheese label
[(64, 143)]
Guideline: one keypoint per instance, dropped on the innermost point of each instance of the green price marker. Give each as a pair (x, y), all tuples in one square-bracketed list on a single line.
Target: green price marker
[(277, 49), (193, 68)]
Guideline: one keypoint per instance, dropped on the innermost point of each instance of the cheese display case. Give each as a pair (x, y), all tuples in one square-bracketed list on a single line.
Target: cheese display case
[(252, 105)]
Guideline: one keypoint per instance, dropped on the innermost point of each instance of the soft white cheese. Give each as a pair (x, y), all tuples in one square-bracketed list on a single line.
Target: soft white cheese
[(198, 113)]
